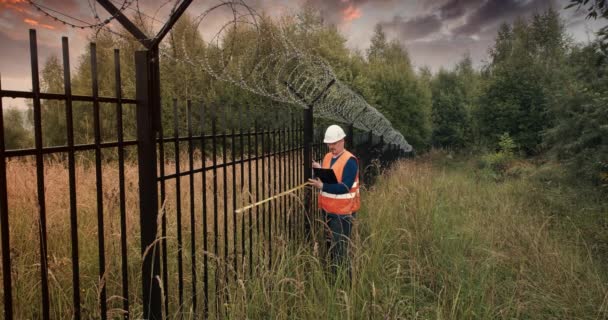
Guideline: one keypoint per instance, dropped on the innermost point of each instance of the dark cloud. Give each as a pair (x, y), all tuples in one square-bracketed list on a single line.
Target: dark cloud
[(412, 29), (457, 8), (496, 11), (471, 24), (447, 52)]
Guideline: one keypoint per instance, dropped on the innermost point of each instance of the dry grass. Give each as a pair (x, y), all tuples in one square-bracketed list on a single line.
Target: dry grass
[(431, 242), (436, 243), (24, 229)]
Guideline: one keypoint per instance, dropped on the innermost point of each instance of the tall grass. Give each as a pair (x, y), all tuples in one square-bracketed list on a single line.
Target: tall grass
[(431, 242), (25, 233), (435, 243)]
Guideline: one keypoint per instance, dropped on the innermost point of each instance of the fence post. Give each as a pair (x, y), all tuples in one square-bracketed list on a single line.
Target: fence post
[(146, 64), (4, 220), (308, 140)]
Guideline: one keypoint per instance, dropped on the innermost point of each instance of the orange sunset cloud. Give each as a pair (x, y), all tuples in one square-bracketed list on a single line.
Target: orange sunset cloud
[(33, 22), (351, 13), (17, 5)]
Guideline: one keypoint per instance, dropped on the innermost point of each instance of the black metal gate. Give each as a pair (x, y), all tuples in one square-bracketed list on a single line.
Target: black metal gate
[(176, 190)]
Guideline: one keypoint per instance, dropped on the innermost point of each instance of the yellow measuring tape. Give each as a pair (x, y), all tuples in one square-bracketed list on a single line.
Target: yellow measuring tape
[(272, 198)]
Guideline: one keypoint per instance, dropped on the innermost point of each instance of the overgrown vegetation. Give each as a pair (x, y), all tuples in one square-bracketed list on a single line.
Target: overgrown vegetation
[(437, 241)]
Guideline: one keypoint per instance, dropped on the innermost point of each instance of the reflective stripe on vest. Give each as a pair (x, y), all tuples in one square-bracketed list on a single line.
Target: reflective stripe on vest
[(340, 203)]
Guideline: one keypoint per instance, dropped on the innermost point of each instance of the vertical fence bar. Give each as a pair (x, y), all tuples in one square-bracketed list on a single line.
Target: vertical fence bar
[(121, 186), (291, 164), (271, 189), (299, 175), (99, 183), (4, 220), (290, 171), (215, 206), (178, 207), (225, 192), (67, 85), (250, 187), (316, 155), (296, 176), (306, 223), (277, 177), (263, 207), (44, 284), (148, 191), (268, 212), (308, 141), (242, 146), (234, 222), (204, 204), (163, 213), (295, 142), (156, 111), (299, 214), (192, 211), (282, 209), (257, 187)]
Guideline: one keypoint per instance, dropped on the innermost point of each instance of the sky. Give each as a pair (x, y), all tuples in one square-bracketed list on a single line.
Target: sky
[(436, 33)]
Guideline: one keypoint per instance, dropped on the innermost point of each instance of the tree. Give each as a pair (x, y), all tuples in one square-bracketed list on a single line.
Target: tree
[(579, 137), (16, 135), (522, 80), (378, 44), (53, 112), (397, 91)]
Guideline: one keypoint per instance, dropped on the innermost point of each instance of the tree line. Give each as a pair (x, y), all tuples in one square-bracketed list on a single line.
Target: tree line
[(539, 88)]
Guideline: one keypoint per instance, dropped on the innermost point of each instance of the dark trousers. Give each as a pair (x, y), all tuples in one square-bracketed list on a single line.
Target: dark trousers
[(338, 240)]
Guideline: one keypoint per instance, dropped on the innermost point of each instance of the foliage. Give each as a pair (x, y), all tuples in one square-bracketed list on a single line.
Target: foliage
[(579, 138), (522, 79), (454, 98), (595, 9), (499, 162), (54, 130), (451, 247), (397, 91), (16, 134)]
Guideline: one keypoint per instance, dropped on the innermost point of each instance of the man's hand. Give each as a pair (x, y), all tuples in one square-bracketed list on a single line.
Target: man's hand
[(316, 183), (316, 164)]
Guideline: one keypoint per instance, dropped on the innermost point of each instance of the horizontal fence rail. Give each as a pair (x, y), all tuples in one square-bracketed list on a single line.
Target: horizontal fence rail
[(205, 177), (77, 222)]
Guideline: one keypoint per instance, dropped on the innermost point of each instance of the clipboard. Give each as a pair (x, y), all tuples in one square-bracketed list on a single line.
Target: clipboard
[(326, 175)]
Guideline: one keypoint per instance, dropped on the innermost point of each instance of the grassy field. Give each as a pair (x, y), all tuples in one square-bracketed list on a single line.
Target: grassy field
[(436, 239), (24, 233)]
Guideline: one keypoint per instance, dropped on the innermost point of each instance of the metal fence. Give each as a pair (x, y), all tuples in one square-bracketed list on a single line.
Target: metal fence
[(148, 222)]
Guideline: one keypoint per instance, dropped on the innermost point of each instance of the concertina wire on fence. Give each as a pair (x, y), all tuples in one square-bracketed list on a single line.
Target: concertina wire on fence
[(278, 69)]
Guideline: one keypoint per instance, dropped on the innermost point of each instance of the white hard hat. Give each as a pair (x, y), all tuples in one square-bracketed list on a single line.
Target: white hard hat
[(334, 134)]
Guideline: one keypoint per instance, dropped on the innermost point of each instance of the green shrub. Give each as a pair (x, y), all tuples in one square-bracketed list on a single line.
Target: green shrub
[(499, 162)]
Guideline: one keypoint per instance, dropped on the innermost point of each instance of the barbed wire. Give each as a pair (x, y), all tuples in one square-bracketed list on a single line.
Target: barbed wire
[(265, 61), (273, 66), (54, 14)]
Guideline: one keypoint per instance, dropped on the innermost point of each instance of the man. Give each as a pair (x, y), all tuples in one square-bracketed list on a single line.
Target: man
[(340, 201)]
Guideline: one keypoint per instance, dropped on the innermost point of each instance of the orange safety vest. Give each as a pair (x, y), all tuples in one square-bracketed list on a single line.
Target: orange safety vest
[(347, 203)]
